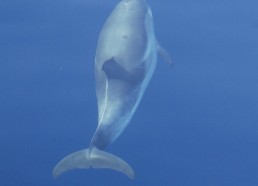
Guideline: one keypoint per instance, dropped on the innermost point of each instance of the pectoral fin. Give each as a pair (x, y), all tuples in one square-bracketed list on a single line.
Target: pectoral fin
[(163, 53)]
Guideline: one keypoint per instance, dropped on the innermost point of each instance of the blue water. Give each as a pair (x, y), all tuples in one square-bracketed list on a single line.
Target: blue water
[(197, 124)]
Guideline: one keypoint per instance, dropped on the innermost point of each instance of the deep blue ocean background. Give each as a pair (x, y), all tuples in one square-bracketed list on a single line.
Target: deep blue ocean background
[(197, 124)]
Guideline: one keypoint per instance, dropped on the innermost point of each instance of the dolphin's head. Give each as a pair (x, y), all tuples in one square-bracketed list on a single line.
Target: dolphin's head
[(134, 4), (132, 1)]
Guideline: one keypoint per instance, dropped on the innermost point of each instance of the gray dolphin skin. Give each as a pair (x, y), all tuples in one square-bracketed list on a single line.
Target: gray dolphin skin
[(125, 60)]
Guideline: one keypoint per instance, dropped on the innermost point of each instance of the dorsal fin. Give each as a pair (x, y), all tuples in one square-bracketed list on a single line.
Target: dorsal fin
[(114, 70)]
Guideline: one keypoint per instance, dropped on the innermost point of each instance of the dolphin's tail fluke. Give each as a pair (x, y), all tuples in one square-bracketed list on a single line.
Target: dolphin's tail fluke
[(95, 158)]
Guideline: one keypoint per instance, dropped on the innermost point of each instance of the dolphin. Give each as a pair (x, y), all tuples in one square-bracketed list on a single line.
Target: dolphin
[(125, 60)]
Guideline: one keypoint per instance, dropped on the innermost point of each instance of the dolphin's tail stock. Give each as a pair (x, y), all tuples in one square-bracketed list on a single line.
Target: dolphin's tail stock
[(95, 158)]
